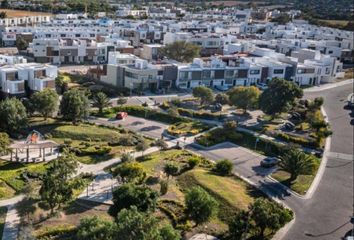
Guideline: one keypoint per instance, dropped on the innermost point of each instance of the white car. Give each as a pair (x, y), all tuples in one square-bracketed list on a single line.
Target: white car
[(262, 86)]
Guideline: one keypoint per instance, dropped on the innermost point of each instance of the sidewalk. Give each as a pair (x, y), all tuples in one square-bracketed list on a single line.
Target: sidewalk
[(329, 86)]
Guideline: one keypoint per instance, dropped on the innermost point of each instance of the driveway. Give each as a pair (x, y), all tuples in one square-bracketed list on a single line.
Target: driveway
[(143, 126)]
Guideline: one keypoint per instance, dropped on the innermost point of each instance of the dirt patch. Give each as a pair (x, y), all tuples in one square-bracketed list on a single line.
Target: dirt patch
[(18, 13)]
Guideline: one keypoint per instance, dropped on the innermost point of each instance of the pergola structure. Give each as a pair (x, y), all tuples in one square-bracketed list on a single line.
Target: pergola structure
[(33, 145)]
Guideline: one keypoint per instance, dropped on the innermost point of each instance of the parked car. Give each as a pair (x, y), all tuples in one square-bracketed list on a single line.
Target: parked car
[(262, 86), (289, 126), (350, 101), (222, 88), (269, 162), (121, 115)]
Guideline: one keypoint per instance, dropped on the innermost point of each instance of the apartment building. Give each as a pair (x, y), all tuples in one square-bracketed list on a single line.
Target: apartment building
[(17, 79), (129, 71), (25, 20)]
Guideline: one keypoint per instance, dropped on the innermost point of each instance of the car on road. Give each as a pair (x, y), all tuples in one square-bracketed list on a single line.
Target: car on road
[(269, 162), (262, 86), (121, 115), (350, 101)]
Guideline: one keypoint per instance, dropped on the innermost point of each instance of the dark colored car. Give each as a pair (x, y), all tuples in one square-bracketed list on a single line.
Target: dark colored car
[(269, 162)]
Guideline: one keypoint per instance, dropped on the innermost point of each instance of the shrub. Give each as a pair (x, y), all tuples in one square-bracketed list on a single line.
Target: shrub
[(193, 161), (127, 157), (163, 187), (223, 167)]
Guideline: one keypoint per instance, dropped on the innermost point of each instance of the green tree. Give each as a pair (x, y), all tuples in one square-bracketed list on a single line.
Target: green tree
[(57, 186), (45, 102), (171, 169), (279, 96), (244, 97), (95, 228), (270, 215), (200, 206), (230, 125), (132, 172), (222, 98), (142, 147), (240, 225), (121, 101), (161, 144), (3, 14), (21, 43), (101, 101), (133, 225), (4, 143), (205, 94), (74, 105), (223, 167), (13, 115), (180, 51), (127, 157), (296, 162), (143, 197)]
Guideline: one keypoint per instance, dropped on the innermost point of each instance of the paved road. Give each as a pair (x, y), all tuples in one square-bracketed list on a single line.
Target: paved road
[(327, 213)]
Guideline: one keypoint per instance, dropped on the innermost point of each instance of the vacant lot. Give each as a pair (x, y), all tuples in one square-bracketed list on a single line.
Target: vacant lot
[(18, 13)]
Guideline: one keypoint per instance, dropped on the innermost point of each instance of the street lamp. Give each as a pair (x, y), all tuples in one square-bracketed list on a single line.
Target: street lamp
[(255, 144)]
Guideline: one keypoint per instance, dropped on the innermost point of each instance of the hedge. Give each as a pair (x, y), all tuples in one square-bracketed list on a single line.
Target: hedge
[(299, 140)]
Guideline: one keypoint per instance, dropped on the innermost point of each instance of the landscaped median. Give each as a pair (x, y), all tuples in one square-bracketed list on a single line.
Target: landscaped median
[(265, 147)]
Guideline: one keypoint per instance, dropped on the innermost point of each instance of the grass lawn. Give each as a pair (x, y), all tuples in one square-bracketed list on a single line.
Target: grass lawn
[(5, 190), (3, 211), (85, 132), (10, 173), (340, 23), (187, 128)]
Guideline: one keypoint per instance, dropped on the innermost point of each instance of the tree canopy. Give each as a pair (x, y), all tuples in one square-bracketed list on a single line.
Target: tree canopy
[(296, 162), (132, 172), (205, 94), (127, 195), (279, 96), (4, 142), (244, 97), (45, 102), (95, 228), (101, 101), (57, 186), (74, 105), (13, 115), (200, 206), (180, 51)]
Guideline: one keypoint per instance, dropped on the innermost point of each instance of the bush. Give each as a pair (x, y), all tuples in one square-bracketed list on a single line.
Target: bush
[(127, 157), (193, 161), (163, 187), (223, 167)]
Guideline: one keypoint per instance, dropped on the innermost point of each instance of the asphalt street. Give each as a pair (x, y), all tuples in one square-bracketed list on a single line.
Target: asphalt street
[(326, 215)]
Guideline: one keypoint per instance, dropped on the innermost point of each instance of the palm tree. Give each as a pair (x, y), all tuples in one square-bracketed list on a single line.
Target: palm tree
[(101, 101), (296, 162)]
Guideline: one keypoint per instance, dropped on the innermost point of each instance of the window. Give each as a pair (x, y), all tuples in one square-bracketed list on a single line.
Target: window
[(278, 71), (183, 75), (219, 74), (206, 74), (131, 75), (254, 72), (229, 73), (196, 75)]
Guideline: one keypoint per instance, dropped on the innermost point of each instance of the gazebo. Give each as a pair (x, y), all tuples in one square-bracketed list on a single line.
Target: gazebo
[(34, 147)]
